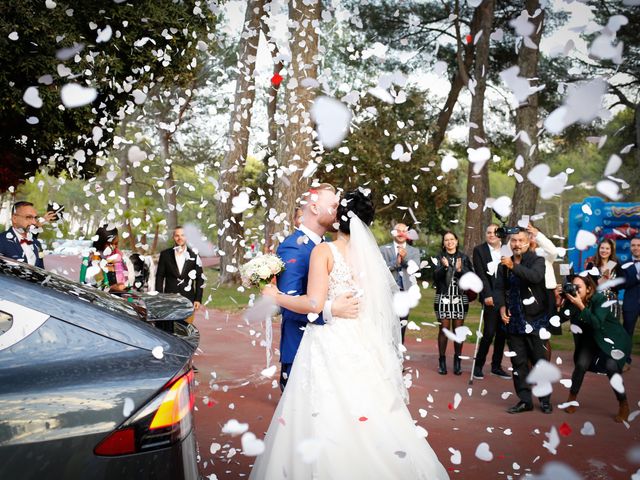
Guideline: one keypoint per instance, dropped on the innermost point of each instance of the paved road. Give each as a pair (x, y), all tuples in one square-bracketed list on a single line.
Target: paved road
[(231, 387)]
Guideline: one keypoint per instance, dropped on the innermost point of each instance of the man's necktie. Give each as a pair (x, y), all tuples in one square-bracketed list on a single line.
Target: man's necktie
[(24, 240)]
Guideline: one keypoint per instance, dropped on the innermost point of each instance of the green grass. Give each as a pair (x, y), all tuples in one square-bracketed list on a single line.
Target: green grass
[(230, 299)]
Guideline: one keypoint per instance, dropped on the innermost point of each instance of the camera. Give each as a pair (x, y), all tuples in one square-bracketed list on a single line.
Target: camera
[(503, 231), (569, 288)]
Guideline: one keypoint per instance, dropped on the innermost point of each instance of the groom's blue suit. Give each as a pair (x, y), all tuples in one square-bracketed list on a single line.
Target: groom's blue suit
[(295, 252)]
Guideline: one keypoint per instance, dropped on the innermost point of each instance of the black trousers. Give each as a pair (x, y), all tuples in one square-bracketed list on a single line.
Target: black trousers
[(529, 348), (586, 352), (285, 370), (492, 328), (629, 320)]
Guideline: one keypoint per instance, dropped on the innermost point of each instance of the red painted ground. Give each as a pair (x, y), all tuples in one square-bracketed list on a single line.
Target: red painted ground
[(230, 387), (229, 377)]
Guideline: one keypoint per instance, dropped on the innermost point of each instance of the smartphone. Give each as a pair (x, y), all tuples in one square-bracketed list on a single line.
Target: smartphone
[(58, 209)]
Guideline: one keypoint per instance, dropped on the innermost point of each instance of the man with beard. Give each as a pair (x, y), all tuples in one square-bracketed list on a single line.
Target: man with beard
[(521, 299), (318, 217)]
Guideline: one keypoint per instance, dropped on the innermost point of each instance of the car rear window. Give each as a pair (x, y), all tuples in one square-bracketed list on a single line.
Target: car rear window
[(68, 287)]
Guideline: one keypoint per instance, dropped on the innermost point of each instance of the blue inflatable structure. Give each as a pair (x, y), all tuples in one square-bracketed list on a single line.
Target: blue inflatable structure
[(615, 220)]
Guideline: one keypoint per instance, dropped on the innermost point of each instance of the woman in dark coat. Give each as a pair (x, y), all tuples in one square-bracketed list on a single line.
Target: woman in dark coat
[(599, 339), (451, 303)]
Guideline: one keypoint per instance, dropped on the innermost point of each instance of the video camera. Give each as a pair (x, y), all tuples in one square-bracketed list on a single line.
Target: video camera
[(503, 231)]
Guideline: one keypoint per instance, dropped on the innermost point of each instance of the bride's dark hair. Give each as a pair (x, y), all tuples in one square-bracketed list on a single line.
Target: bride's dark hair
[(355, 202)]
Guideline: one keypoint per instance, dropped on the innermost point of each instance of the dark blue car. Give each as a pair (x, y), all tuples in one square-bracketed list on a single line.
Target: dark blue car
[(89, 387)]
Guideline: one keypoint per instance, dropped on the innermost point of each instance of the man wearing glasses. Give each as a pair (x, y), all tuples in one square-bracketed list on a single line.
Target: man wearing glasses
[(18, 242), (486, 258)]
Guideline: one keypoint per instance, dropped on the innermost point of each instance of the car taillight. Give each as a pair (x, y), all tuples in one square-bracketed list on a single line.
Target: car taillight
[(165, 420)]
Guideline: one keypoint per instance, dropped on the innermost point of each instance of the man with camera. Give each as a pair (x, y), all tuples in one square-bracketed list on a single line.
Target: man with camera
[(20, 242), (521, 299), (486, 258), (403, 261)]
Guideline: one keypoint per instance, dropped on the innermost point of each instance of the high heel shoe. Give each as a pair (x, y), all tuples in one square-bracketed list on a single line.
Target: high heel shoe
[(442, 365), (623, 411), (457, 365)]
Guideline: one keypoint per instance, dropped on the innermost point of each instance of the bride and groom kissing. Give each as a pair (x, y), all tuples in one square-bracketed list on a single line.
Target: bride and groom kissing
[(343, 412)]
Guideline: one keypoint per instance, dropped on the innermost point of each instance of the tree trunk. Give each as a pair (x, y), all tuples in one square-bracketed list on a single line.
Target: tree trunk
[(525, 195), (296, 147), (478, 184), (169, 182), (125, 177), (456, 86), (638, 134), (230, 231)]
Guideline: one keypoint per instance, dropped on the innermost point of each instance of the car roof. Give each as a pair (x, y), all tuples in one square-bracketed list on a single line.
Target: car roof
[(84, 306)]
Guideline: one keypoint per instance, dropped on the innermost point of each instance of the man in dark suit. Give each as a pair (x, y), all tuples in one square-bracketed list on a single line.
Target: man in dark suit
[(318, 217), (521, 298), (180, 270), (403, 261), (486, 258), (19, 242), (631, 302)]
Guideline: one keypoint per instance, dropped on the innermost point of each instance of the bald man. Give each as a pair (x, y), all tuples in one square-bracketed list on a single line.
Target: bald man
[(401, 258)]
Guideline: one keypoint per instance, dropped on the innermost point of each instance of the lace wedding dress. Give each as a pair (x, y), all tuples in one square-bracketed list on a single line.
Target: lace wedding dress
[(341, 416)]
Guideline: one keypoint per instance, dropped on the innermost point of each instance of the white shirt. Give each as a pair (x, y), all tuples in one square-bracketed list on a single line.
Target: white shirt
[(181, 256), (492, 268), (313, 236), (396, 246), (29, 254)]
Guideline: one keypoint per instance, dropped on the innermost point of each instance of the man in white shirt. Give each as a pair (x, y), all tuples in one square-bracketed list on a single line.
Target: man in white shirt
[(486, 258), (19, 242), (403, 261)]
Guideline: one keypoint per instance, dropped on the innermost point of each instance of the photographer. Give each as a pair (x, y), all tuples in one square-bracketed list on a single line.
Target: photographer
[(602, 340)]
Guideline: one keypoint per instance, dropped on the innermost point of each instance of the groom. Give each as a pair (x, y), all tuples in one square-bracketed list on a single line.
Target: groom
[(318, 217)]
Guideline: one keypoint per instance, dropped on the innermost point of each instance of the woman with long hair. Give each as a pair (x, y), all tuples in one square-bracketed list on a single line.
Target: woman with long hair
[(608, 268), (600, 341), (451, 303)]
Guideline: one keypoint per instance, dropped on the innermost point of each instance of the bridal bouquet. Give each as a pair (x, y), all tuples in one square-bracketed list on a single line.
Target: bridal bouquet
[(260, 270)]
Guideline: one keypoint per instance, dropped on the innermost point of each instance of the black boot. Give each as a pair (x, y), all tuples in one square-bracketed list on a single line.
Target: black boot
[(442, 365), (457, 365)]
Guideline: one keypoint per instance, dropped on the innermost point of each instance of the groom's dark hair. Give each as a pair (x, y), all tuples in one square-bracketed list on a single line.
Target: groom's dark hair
[(355, 202)]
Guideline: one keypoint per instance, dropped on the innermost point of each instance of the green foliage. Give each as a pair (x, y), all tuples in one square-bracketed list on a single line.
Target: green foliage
[(397, 185), (115, 68)]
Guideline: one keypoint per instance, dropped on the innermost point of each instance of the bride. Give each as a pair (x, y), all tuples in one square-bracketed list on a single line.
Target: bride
[(343, 412)]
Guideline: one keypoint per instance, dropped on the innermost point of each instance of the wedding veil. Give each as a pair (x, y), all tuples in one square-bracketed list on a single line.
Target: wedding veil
[(377, 285)]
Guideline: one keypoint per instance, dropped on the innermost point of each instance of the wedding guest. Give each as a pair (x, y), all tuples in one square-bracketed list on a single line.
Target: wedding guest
[(486, 258), (606, 263), (403, 261), (297, 217), (20, 242), (451, 303), (601, 339), (546, 249), (631, 303), (522, 301), (106, 266)]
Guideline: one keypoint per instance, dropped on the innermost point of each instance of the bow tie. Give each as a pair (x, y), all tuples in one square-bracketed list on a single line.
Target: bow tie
[(24, 240)]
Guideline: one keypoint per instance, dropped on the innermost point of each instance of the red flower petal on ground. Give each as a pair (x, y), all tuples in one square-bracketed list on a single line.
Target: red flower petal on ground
[(469, 39), (450, 406), (276, 80), (363, 419), (565, 429)]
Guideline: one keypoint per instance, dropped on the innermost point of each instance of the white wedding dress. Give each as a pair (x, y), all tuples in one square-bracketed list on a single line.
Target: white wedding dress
[(341, 416)]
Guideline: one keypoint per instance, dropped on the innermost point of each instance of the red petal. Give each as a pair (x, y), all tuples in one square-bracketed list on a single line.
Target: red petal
[(469, 39), (293, 260), (565, 429), (450, 406), (363, 419), (276, 79)]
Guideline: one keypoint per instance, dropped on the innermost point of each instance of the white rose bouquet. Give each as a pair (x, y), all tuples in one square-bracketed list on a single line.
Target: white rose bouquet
[(260, 270)]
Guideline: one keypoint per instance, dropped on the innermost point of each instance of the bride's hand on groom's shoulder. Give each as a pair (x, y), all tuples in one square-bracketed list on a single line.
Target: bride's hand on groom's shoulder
[(345, 306)]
